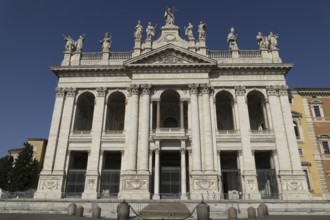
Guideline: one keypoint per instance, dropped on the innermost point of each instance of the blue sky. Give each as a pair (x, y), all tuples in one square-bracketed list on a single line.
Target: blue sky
[(31, 40)]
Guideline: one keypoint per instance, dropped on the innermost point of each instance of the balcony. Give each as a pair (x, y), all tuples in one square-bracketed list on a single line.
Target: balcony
[(169, 133), (262, 135), (228, 135)]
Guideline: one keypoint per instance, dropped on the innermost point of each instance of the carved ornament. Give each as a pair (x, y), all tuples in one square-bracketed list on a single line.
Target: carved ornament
[(240, 90), (204, 184), (136, 184), (70, 91), (101, 91), (193, 88), (59, 91), (133, 89)]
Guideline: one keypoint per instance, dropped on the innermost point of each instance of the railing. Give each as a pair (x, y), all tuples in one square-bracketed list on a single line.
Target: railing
[(219, 54), (228, 131), (249, 54), (120, 55), (266, 131), (77, 132), (169, 129), (91, 56), (114, 131)]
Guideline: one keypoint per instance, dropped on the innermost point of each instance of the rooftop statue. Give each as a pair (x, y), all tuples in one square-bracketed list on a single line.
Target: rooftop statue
[(202, 31), (262, 41), (106, 43), (138, 31), (189, 31), (272, 38), (150, 31), (70, 44), (232, 40), (80, 43), (169, 16)]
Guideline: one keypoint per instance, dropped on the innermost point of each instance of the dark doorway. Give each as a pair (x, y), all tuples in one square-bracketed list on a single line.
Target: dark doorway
[(231, 183), (266, 175), (110, 177), (75, 183), (170, 175)]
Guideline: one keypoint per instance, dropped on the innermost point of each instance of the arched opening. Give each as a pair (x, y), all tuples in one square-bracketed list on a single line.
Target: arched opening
[(84, 112), (115, 112), (169, 109), (257, 111), (224, 111)]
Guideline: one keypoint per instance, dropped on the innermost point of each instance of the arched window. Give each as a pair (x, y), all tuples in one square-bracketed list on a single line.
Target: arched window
[(169, 109), (84, 112), (224, 111), (115, 112), (256, 106)]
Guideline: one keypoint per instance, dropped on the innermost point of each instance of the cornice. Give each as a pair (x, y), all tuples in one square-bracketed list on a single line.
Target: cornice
[(84, 71), (313, 91)]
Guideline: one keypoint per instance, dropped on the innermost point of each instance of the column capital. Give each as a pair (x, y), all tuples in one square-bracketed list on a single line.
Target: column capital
[(193, 88), (133, 89), (60, 91), (239, 90), (283, 90), (101, 91), (205, 88), (145, 89), (70, 91), (157, 149), (183, 150), (271, 90)]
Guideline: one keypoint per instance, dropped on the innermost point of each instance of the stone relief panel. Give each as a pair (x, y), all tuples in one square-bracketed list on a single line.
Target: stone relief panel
[(90, 184), (205, 184), (137, 184), (49, 184)]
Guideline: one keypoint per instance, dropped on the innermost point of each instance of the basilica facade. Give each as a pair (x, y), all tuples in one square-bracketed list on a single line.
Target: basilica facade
[(172, 119)]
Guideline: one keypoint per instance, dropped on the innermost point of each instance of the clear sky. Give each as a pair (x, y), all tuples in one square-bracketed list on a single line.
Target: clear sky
[(31, 40)]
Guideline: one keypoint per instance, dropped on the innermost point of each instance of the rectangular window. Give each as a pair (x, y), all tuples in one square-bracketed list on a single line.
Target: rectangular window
[(301, 152), (325, 145), (317, 112), (307, 179)]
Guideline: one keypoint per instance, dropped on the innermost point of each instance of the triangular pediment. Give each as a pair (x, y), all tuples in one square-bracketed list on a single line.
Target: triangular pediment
[(171, 55)]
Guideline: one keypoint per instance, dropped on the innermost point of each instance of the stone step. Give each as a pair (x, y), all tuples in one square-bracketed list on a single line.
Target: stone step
[(171, 210)]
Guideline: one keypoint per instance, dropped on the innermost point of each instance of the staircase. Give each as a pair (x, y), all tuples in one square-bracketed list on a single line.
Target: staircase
[(166, 210)]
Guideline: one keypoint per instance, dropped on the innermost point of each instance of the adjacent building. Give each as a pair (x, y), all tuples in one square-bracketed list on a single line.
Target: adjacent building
[(173, 119), (39, 149), (315, 103)]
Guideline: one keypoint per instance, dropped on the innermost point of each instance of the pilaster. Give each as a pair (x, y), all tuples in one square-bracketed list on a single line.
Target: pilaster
[(92, 174), (248, 167)]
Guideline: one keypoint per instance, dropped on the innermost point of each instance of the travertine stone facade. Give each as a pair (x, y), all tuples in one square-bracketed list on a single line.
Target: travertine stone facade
[(172, 119)]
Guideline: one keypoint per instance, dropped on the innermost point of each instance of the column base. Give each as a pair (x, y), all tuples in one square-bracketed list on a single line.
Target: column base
[(202, 185), (156, 197), (134, 186), (50, 187), (294, 187), (184, 197), (91, 183)]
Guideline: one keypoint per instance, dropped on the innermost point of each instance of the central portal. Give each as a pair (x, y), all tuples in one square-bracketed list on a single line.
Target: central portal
[(170, 175)]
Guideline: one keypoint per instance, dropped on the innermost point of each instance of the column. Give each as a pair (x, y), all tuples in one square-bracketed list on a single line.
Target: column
[(158, 115), (196, 147), (208, 160), (92, 174), (183, 171), (264, 112), (54, 132), (64, 132), (181, 115), (248, 168), (279, 131), (133, 128), (45, 175), (156, 176), (235, 115), (144, 138)]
